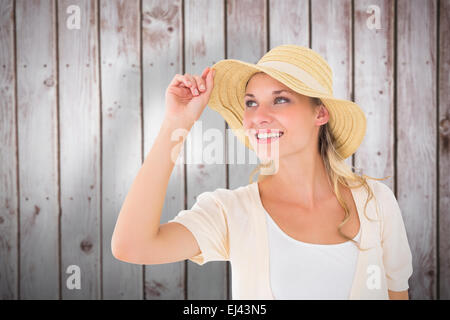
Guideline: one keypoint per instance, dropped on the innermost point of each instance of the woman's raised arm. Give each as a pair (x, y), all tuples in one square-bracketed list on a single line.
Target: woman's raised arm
[(138, 224)]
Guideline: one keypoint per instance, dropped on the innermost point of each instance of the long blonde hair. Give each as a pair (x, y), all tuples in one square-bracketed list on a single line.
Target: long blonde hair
[(338, 171)]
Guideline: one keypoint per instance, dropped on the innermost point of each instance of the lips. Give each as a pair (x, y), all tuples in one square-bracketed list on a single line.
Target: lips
[(269, 139), (267, 131)]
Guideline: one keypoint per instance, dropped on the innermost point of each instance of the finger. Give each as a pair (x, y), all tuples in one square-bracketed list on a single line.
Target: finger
[(210, 80), (201, 85), (209, 83), (193, 87), (180, 81), (205, 72)]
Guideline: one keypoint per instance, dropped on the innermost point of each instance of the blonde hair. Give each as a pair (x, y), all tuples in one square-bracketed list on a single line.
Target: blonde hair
[(338, 171)]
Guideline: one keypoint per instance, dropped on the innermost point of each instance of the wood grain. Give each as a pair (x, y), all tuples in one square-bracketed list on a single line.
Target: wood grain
[(444, 149), (416, 145), (121, 133), (80, 148), (38, 149), (374, 87), (9, 211), (289, 23)]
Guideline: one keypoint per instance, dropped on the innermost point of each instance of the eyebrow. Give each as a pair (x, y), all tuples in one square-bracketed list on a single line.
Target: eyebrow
[(274, 92)]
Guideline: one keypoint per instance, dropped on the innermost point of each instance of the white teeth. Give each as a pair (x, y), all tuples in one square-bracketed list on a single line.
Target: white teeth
[(268, 135)]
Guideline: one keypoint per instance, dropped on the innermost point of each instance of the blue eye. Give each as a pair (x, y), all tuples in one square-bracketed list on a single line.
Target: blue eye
[(282, 99), (248, 101)]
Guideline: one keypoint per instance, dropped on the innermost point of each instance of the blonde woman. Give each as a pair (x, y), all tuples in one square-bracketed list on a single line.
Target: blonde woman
[(310, 227)]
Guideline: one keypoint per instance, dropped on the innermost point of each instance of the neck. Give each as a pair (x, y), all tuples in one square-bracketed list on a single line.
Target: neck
[(301, 179)]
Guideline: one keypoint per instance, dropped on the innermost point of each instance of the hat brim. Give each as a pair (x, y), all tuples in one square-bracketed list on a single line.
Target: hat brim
[(347, 120)]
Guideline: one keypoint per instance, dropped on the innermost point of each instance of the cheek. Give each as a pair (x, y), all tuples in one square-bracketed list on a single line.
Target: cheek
[(293, 121), (299, 127)]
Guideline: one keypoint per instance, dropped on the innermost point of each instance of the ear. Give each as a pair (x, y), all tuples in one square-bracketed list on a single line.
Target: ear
[(322, 114)]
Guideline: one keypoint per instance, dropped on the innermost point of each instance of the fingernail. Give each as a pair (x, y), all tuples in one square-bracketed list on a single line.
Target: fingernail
[(202, 87), (195, 91)]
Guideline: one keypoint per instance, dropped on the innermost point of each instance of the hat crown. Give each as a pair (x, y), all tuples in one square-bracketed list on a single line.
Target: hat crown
[(297, 60)]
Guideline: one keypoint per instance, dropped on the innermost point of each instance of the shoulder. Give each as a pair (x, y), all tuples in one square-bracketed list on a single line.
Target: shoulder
[(379, 189), (383, 192), (225, 193), (234, 200), (382, 198), (386, 200)]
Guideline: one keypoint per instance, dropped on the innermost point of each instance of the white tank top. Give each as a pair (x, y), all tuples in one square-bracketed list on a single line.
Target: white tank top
[(302, 271)]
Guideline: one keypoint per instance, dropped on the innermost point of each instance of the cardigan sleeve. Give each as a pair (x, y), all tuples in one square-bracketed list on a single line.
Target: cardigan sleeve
[(207, 222), (397, 258)]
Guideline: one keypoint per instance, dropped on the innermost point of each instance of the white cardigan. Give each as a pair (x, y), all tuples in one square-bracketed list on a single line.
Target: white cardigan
[(230, 225)]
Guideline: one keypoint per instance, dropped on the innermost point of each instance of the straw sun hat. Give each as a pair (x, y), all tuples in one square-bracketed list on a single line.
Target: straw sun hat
[(302, 70)]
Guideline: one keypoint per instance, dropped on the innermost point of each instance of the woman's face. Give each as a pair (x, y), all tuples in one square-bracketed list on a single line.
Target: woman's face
[(286, 111)]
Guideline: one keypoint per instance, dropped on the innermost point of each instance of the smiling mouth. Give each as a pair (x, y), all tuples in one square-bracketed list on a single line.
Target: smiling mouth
[(265, 138)]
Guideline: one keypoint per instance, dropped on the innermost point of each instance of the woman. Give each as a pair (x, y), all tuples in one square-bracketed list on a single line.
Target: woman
[(302, 231)]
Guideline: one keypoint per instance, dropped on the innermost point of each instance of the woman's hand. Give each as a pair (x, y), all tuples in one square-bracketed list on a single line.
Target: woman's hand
[(188, 95)]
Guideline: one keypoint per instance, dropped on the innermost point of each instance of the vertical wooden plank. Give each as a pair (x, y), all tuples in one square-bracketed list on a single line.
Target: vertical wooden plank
[(444, 150), (80, 146), (246, 41), (162, 59), (121, 133), (331, 37), (38, 149), (204, 45), (374, 85), (416, 149), (292, 28), (8, 159)]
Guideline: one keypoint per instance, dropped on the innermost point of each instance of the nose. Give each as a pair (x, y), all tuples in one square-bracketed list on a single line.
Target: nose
[(261, 115)]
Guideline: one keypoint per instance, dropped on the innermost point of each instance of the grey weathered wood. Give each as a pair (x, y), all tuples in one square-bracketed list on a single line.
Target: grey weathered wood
[(121, 134), (204, 45), (416, 127), (9, 276), (79, 148), (444, 150), (331, 37), (38, 149), (289, 22), (162, 59), (98, 152), (374, 86), (246, 41)]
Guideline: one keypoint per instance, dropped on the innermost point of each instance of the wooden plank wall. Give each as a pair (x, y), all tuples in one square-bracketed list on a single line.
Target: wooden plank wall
[(417, 135), (79, 149), (80, 109)]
